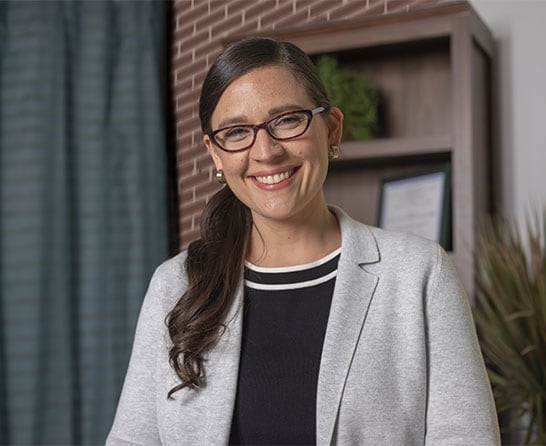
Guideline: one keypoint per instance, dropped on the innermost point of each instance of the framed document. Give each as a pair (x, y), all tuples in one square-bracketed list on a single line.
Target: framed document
[(419, 203)]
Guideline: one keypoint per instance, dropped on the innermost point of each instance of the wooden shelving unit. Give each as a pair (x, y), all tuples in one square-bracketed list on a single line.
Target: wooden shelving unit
[(432, 67)]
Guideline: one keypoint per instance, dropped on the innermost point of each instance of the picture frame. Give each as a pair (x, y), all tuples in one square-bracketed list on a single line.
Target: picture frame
[(418, 202)]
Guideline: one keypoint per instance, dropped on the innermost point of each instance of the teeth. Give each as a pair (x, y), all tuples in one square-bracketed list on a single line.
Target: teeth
[(274, 179)]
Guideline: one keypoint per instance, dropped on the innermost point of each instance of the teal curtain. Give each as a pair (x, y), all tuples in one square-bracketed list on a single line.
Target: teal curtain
[(83, 207)]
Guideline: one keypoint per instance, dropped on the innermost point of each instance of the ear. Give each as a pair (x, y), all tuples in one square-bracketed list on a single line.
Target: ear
[(213, 152), (335, 126)]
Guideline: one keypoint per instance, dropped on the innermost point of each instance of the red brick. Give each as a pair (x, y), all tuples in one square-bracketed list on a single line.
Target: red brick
[(185, 106), (185, 157), (351, 9), (249, 27), (193, 152), (207, 189), (377, 7), (180, 56), (183, 130), (258, 8), (185, 91), (235, 6), (188, 122), (192, 69), (181, 61), (184, 166), (184, 13), (188, 228), (223, 28), (197, 80), (322, 7), (183, 27), (186, 196), (188, 164), (202, 62), (185, 136), (205, 21), (397, 5), (218, 4), (304, 4), (187, 43), (208, 48), (193, 207), (184, 220), (269, 19), (188, 237), (299, 18), (184, 52), (197, 180), (204, 162), (182, 86), (415, 4)]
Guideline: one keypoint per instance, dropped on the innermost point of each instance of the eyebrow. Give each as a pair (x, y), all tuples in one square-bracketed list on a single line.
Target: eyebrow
[(243, 120)]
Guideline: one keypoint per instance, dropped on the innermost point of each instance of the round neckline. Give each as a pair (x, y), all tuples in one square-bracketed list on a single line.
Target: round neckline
[(287, 269)]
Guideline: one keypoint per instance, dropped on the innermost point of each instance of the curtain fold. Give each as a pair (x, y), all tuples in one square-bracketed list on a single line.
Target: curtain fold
[(83, 207)]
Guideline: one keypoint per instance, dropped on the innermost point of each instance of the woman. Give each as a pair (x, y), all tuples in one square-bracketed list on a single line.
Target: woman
[(288, 322)]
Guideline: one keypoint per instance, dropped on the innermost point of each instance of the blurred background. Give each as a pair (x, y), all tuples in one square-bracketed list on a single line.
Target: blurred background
[(103, 174)]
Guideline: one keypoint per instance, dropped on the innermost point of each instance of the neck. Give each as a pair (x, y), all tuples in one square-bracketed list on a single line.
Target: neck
[(286, 243)]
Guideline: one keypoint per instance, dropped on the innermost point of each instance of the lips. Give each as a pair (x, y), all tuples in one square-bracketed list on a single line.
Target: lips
[(275, 178)]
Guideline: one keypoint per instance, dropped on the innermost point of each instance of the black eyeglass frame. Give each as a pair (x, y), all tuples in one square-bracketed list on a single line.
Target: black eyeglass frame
[(265, 125)]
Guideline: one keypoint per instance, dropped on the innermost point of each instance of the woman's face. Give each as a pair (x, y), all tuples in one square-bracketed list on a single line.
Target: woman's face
[(279, 180)]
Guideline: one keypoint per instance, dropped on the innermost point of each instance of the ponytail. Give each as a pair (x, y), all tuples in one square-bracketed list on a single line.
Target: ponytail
[(213, 266)]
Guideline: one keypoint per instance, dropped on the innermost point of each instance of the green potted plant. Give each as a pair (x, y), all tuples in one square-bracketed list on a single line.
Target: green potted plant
[(355, 95), (510, 316)]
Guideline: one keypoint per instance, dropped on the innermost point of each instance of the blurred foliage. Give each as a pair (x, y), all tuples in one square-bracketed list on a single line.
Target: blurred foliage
[(355, 95), (511, 319)]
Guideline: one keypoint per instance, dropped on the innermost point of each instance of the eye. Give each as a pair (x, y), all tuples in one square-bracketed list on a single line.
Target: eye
[(235, 133), (288, 121)]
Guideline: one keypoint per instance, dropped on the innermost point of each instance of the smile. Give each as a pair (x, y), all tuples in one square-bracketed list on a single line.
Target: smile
[(274, 179)]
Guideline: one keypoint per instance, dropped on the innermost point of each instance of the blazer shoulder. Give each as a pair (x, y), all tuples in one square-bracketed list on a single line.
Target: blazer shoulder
[(169, 281), (173, 266), (405, 252), (404, 242)]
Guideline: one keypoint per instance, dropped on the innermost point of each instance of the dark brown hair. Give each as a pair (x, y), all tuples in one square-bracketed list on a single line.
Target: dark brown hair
[(214, 263)]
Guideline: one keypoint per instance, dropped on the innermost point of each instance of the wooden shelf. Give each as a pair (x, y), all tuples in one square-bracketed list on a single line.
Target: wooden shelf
[(389, 148)]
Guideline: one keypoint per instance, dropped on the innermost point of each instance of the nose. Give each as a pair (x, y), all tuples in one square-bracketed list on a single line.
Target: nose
[(265, 147)]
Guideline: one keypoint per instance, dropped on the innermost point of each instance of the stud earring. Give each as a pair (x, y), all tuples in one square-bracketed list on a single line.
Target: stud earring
[(333, 152), (219, 176)]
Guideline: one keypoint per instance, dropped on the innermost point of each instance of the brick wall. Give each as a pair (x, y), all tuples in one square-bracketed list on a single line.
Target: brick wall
[(199, 28)]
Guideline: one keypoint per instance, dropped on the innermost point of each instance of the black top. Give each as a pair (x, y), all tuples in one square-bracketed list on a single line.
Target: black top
[(284, 323)]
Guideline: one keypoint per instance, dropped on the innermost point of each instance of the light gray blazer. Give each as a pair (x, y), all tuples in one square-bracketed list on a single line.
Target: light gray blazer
[(400, 364)]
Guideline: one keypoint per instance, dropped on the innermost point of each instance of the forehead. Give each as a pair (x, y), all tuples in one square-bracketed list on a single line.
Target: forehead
[(258, 91)]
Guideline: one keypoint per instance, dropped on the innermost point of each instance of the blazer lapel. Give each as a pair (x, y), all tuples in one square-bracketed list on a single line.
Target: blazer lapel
[(352, 295)]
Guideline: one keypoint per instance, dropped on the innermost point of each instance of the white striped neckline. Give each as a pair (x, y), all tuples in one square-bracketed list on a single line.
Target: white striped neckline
[(290, 269), (287, 278)]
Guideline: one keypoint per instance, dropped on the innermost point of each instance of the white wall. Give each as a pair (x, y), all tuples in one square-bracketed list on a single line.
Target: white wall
[(519, 27)]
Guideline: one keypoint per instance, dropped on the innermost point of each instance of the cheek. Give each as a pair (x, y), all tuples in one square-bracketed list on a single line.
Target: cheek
[(233, 165)]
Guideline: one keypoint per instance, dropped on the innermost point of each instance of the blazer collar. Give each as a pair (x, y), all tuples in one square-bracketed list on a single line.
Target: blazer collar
[(352, 295), (358, 244)]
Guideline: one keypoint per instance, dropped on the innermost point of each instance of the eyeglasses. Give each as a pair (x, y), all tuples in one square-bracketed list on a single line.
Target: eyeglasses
[(285, 126)]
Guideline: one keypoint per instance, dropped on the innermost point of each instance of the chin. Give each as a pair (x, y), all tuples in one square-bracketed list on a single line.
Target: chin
[(279, 213)]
